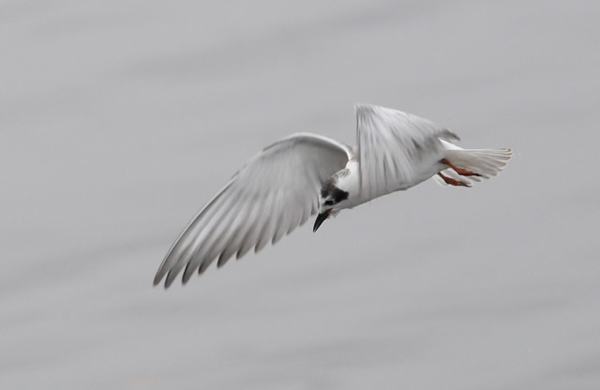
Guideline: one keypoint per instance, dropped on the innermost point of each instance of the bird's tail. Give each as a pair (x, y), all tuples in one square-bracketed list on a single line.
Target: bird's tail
[(466, 166)]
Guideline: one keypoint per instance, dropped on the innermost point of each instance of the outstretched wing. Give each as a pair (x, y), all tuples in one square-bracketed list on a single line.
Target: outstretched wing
[(270, 196), (392, 145)]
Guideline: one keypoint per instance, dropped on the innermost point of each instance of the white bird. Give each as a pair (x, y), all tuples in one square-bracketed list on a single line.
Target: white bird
[(298, 176)]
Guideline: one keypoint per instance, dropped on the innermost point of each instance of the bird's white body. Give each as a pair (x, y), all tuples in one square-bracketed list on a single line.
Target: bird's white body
[(351, 181), (351, 184), (305, 174)]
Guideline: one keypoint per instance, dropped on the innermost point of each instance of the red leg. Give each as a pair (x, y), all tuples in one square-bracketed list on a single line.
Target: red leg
[(460, 171), (452, 182)]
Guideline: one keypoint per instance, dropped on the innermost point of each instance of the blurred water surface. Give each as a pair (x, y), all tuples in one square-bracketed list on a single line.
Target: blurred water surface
[(119, 119)]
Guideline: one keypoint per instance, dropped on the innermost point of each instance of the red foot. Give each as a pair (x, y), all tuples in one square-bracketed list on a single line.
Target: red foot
[(460, 171), (453, 182)]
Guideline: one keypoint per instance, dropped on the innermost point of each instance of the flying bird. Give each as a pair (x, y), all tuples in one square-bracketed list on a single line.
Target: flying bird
[(307, 174)]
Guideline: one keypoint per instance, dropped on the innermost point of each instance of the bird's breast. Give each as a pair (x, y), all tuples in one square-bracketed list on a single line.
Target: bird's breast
[(349, 183)]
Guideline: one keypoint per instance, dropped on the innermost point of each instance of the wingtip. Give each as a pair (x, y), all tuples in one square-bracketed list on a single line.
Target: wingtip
[(156, 283), (361, 105), (171, 276), (362, 109), (157, 279)]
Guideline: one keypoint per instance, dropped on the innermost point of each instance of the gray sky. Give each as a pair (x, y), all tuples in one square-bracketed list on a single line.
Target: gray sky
[(119, 119)]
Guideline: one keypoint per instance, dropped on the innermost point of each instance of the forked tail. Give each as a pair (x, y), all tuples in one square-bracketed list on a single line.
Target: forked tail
[(466, 166)]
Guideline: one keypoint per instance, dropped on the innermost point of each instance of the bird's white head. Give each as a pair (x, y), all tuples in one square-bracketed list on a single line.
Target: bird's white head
[(331, 196)]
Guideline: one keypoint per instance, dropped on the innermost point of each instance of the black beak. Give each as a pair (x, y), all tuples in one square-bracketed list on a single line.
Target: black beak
[(320, 219)]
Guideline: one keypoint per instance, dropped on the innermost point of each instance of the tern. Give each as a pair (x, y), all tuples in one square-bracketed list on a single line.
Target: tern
[(307, 174)]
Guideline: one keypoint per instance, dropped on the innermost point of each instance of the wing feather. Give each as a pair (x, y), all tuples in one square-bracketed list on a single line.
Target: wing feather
[(393, 146), (275, 192)]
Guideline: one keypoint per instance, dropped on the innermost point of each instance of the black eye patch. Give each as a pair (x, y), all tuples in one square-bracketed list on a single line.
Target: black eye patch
[(339, 195)]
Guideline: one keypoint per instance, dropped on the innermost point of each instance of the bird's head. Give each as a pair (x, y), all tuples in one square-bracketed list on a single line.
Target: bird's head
[(330, 197)]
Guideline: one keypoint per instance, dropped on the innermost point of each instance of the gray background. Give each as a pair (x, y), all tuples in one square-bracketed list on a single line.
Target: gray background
[(119, 119)]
